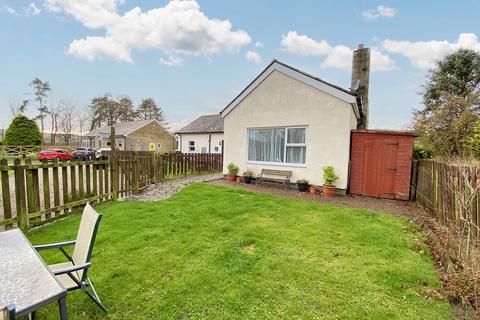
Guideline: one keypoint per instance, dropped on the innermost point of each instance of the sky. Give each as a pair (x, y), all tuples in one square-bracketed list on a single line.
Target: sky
[(194, 57)]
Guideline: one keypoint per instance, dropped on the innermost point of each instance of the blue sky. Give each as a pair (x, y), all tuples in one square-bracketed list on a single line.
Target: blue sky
[(191, 57)]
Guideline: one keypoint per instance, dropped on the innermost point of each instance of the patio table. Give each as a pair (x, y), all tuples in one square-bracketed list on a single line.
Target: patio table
[(25, 279)]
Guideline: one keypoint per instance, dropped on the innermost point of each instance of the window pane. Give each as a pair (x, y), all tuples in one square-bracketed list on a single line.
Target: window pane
[(296, 135), (266, 145), (296, 154)]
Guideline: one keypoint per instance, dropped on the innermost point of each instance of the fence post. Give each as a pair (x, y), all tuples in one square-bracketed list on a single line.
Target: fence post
[(20, 194), (135, 172), (113, 166)]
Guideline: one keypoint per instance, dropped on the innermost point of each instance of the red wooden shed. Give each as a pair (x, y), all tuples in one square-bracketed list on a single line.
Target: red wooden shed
[(381, 163)]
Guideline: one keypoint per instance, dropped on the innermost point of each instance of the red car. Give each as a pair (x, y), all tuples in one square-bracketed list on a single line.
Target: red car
[(51, 154)]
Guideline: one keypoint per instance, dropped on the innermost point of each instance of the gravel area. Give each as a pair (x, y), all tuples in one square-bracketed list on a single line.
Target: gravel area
[(396, 207), (167, 188)]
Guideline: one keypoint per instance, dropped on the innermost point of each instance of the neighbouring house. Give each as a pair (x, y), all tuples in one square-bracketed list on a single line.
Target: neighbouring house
[(287, 119), (141, 135), (203, 135)]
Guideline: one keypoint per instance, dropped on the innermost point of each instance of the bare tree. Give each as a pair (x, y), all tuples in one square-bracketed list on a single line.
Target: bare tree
[(55, 112), (83, 117), (16, 105), (66, 122)]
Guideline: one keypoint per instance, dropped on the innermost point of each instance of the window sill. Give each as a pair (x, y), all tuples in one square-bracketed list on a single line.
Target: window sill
[(279, 164)]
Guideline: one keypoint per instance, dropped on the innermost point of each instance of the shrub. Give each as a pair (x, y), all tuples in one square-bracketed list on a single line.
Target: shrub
[(420, 152), (248, 173), (23, 132), (233, 168), (329, 176)]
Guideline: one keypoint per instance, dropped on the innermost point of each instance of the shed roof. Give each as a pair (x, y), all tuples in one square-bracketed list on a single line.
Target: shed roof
[(212, 123)]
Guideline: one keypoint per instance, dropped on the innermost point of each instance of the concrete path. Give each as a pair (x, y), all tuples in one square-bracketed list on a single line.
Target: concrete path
[(167, 188)]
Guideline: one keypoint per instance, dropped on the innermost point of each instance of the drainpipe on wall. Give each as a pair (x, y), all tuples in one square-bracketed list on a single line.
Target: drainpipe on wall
[(209, 143)]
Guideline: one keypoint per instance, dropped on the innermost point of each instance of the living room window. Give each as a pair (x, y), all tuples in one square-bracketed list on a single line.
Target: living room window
[(277, 145)]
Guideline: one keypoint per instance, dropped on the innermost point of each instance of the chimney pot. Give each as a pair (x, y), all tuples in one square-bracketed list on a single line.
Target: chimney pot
[(360, 46)]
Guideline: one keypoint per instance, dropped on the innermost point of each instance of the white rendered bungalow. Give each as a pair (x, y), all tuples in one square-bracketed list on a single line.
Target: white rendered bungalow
[(286, 119)]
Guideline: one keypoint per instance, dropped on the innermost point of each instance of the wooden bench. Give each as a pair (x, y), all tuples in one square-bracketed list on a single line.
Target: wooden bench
[(274, 176)]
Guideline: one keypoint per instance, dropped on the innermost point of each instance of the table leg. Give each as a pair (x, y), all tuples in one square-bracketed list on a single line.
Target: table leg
[(62, 305)]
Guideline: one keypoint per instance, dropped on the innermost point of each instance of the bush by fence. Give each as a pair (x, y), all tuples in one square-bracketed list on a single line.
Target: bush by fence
[(33, 192)]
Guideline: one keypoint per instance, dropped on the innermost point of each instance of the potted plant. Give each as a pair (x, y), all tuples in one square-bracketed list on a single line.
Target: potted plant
[(247, 177), (232, 172), (312, 189), (329, 179), (302, 185)]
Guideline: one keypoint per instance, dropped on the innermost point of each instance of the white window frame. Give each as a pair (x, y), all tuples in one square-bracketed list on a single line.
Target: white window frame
[(190, 146), (284, 163)]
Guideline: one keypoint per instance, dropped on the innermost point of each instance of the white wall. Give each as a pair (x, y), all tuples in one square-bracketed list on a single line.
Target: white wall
[(201, 141), (284, 101)]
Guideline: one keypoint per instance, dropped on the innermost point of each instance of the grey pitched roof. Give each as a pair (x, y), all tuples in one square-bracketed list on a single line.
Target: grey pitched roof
[(205, 124), (121, 128)]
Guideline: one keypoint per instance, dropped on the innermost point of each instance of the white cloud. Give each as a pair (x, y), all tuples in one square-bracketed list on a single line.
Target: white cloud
[(7, 9), (178, 27), (92, 48), (258, 44), (171, 61), (303, 45), (380, 11), (253, 56), (32, 10), (426, 54), (338, 56)]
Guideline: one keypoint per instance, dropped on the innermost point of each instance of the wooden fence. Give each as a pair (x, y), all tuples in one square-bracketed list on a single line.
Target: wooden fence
[(451, 194), (33, 193), (18, 151)]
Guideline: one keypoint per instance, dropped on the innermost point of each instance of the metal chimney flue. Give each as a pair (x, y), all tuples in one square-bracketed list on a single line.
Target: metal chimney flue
[(360, 80)]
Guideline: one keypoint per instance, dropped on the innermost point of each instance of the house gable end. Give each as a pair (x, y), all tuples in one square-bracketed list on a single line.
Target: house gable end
[(298, 75)]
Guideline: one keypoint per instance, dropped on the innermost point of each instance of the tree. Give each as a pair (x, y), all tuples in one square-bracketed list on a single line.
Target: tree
[(17, 106), (42, 88), (105, 111), (23, 132), (451, 100), (56, 109), (148, 109), (472, 142), (82, 118), (126, 109), (66, 122)]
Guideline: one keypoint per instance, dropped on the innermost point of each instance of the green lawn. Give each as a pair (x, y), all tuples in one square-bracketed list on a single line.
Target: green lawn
[(215, 252)]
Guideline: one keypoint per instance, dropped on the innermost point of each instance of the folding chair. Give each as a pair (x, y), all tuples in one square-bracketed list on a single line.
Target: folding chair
[(73, 274)]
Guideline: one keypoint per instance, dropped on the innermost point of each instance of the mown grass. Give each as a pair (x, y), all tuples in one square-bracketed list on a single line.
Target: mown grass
[(215, 252)]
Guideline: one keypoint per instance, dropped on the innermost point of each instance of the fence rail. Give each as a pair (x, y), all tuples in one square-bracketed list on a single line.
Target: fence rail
[(451, 194), (33, 193)]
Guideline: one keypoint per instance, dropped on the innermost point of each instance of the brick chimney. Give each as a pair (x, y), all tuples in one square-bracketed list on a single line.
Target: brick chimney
[(360, 79)]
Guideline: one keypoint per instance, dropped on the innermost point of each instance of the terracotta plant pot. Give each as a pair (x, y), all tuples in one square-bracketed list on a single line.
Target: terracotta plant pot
[(312, 189), (239, 179), (329, 191), (230, 177)]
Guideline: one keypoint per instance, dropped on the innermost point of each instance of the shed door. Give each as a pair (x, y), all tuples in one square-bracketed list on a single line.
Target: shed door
[(380, 166)]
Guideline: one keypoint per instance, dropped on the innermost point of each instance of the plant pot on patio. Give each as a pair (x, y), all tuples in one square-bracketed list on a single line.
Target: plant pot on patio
[(239, 179), (247, 177), (328, 191), (329, 178), (232, 172), (312, 189), (302, 185)]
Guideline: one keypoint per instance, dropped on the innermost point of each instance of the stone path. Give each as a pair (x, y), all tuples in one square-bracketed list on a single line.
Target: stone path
[(167, 188)]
